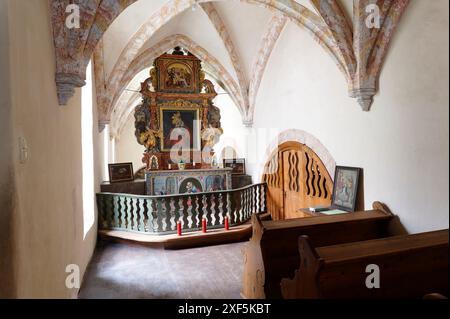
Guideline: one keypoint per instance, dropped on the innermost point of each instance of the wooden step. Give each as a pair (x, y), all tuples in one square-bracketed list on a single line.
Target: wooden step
[(187, 240)]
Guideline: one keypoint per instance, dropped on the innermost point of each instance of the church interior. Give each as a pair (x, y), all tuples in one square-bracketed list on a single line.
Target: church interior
[(247, 149)]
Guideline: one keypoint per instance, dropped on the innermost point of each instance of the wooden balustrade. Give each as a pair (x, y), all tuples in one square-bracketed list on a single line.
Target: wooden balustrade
[(160, 214)]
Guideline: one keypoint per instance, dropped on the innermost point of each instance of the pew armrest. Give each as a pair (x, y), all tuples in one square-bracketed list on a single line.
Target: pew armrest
[(254, 274), (382, 207)]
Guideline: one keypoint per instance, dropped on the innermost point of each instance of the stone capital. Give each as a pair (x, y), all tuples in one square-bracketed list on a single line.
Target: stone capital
[(66, 84), (364, 96)]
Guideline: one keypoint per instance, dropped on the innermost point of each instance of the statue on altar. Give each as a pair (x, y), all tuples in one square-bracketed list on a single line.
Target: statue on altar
[(149, 139), (211, 136)]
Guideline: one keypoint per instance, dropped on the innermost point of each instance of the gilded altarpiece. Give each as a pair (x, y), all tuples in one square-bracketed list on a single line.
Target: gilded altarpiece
[(177, 121)]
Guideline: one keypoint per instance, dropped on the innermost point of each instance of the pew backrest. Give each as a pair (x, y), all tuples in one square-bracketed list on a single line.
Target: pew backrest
[(408, 266), (272, 252)]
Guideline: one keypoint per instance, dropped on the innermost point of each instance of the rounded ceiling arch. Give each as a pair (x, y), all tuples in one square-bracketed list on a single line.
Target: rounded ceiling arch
[(359, 54), (146, 58), (118, 123), (293, 10), (127, 101)]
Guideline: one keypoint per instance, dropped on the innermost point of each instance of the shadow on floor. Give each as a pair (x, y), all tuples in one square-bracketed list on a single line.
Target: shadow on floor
[(124, 271)]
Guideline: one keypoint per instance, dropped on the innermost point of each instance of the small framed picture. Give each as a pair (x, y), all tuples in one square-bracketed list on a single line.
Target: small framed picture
[(237, 164), (345, 190), (122, 172)]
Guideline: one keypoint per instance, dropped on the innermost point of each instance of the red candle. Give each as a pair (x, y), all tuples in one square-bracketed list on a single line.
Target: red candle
[(179, 228), (204, 225), (227, 224)]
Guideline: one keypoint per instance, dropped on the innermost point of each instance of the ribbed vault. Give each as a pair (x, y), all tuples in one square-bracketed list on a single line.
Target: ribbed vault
[(357, 47)]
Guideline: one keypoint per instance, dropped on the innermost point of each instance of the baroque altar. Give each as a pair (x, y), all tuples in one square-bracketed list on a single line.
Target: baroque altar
[(177, 122), (188, 181)]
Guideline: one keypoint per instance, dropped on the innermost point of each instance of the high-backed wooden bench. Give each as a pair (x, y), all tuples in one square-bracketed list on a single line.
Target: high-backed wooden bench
[(410, 266), (272, 253)]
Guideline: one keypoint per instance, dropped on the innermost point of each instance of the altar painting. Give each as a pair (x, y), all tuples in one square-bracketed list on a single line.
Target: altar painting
[(181, 127)]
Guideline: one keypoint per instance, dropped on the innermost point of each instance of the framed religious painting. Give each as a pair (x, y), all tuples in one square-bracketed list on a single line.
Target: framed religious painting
[(180, 129), (237, 164), (122, 172), (178, 74), (345, 190)]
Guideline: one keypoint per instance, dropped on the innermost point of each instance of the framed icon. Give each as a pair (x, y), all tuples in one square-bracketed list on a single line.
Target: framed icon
[(237, 164), (122, 172), (345, 189)]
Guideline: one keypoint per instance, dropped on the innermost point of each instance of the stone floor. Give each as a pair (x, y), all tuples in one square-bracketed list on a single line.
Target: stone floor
[(120, 270)]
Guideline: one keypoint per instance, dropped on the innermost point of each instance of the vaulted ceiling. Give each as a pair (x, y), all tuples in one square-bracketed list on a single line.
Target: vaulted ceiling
[(234, 39)]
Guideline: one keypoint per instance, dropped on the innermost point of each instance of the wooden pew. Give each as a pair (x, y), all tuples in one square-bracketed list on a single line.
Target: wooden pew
[(410, 266), (272, 252)]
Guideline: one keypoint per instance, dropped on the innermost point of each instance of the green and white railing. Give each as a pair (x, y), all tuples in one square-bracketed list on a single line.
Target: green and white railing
[(161, 214)]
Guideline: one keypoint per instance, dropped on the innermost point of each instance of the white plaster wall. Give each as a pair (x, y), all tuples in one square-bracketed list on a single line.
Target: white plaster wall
[(246, 36), (402, 143), (127, 147), (6, 164), (48, 212), (233, 129), (124, 27), (197, 26)]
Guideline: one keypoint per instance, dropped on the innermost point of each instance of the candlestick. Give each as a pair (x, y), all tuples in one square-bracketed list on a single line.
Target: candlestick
[(204, 225), (227, 224), (179, 228)]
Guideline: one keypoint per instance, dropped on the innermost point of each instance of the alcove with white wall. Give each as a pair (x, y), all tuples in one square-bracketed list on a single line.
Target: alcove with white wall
[(402, 143)]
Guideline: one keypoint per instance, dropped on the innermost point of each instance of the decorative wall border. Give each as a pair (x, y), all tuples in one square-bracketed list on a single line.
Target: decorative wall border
[(270, 38), (236, 61)]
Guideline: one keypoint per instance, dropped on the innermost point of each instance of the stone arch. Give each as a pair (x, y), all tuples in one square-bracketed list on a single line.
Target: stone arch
[(359, 54), (302, 137), (293, 10), (75, 47), (118, 122), (214, 67)]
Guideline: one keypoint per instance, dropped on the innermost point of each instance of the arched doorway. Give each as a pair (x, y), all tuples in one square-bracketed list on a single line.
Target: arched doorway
[(296, 178)]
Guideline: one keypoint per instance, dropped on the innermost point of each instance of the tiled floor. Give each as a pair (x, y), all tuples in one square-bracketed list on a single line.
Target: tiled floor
[(128, 271)]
